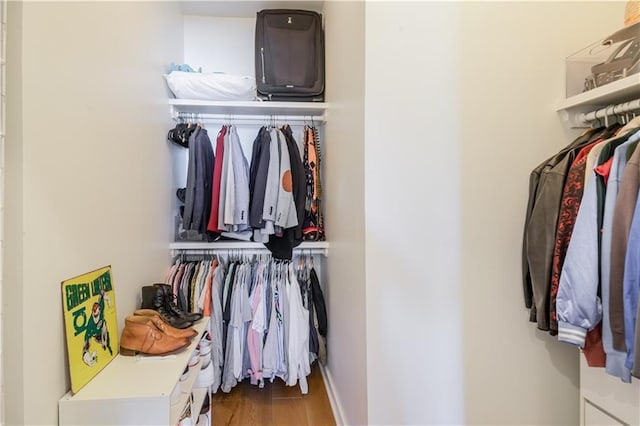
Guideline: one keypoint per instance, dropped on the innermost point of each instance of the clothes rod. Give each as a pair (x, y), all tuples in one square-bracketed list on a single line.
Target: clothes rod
[(240, 251), (249, 119), (609, 111)]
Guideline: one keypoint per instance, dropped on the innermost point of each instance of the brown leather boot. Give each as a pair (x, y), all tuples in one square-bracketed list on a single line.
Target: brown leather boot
[(140, 334), (164, 326)]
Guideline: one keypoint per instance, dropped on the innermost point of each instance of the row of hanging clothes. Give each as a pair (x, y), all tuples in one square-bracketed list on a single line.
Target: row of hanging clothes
[(275, 199), (581, 246), (268, 316)]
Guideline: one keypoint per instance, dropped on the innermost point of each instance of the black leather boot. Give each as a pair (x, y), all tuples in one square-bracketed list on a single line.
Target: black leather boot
[(173, 308), (154, 298)]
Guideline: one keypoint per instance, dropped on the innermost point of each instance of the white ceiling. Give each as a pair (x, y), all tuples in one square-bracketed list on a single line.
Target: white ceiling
[(246, 9)]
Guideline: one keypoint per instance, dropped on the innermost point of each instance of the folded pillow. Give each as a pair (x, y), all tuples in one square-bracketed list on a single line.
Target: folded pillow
[(212, 86)]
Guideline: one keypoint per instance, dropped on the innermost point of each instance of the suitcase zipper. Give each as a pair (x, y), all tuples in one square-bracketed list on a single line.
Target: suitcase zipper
[(262, 56)]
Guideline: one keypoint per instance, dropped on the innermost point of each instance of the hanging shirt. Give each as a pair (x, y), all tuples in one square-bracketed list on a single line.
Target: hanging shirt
[(258, 327), (298, 335), (274, 359), (217, 352), (204, 303), (228, 377), (217, 176)]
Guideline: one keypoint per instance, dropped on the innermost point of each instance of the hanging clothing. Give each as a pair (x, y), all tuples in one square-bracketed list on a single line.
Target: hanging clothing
[(217, 176), (546, 184), (579, 306), (261, 317), (199, 179), (298, 342), (281, 245), (217, 348), (313, 220), (615, 361), (622, 217), (269, 200), (258, 177), (571, 197)]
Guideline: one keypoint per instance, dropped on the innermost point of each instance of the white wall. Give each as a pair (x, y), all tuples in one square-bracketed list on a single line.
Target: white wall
[(459, 109), (344, 208), (93, 163), (12, 297), (518, 95), (220, 44), (412, 172)]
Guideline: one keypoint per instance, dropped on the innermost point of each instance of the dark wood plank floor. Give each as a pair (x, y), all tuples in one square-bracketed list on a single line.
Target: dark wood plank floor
[(276, 404)]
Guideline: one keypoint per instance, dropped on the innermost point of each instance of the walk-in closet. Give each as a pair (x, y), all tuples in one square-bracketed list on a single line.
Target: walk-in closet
[(434, 115)]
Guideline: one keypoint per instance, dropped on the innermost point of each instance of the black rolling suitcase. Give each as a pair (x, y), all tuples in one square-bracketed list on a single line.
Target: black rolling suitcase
[(289, 55)]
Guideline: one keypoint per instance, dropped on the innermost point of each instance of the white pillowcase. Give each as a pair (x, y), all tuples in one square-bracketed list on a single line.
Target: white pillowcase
[(211, 87)]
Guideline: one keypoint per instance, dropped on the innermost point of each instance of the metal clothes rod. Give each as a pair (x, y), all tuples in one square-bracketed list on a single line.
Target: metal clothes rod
[(249, 119), (609, 111)]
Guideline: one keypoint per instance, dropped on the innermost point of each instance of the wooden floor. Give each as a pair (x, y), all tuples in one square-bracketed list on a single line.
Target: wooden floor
[(275, 404)]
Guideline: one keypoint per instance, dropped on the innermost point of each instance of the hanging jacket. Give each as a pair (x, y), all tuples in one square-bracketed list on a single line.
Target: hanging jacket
[(631, 286), (579, 306), (204, 178), (190, 192), (258, 177), (622, 216), (615, 361), (542, 224), (272, 183), (241, 179), (215, 188), (285, 211), (534, 180), (572, 194), (282, 247)]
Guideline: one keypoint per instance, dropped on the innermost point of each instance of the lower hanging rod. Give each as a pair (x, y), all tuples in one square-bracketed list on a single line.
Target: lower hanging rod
[(609, 111)]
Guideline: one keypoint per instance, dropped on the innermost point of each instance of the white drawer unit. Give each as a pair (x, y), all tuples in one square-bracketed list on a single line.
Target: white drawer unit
[(594, 416), (138, 390)]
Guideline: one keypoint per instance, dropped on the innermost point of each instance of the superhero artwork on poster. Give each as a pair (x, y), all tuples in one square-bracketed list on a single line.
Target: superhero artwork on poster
[(91, 324)]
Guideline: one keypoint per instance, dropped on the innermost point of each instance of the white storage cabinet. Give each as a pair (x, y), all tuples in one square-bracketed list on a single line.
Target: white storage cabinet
[(138, 390)]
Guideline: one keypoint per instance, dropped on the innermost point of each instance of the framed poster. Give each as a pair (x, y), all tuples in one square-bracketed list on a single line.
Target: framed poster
[(91, 324)]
